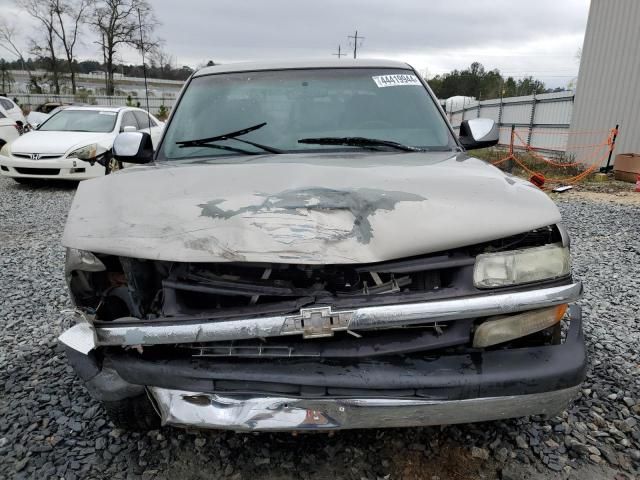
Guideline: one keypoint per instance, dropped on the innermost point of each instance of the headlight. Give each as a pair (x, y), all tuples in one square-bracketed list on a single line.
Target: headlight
[(83, 261), (85, 153), (5, 150), (514, 267), (80, 261)]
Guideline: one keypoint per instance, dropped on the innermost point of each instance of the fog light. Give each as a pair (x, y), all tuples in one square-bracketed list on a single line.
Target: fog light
[(502, 329)]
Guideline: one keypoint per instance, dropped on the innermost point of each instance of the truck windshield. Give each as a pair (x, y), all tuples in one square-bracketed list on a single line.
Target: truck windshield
[(372, 103)]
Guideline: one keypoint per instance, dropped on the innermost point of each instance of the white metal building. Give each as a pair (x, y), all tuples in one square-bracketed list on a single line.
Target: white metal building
[(608, 89)]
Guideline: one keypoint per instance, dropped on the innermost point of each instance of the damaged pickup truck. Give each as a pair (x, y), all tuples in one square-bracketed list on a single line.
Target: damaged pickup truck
[(310, 247)]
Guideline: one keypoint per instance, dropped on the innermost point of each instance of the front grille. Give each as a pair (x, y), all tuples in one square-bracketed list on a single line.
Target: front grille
[(38, 171), (41, 157), (368, 344)]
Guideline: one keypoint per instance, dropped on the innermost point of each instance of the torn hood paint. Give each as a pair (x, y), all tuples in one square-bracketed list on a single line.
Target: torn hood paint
[(303, 208)]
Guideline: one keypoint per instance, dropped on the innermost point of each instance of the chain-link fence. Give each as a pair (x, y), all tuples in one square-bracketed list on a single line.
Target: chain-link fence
[(31, 101)]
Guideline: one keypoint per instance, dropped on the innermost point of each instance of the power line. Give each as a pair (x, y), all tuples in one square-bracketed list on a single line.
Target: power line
[(355, 43)]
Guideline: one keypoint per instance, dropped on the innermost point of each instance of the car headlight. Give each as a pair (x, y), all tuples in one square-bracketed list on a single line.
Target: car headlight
[(85, 153), (4, 151), (514, 267), (80, 261)]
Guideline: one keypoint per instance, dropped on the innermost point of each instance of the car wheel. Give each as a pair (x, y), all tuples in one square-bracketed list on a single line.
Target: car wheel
[(136, 413), (113, 165)]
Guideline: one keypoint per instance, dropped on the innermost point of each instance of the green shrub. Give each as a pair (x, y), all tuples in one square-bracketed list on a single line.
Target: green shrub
[(163, 113)]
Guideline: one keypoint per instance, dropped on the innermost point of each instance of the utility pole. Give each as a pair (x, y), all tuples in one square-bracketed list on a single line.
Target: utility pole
[(339, 54), (355, 43), (144, 68)]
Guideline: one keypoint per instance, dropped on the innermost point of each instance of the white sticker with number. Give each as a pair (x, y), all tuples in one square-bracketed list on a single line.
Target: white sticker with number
[(397, 80)]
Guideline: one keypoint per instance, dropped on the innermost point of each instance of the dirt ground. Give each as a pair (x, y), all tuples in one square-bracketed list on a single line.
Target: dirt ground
[(609, 192)]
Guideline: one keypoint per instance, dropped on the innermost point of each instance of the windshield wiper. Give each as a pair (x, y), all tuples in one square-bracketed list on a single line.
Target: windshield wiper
[(206, 142), (224, 147), (359, 142)]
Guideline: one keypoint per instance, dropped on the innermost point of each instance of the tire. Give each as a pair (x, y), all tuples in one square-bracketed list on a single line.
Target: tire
[(135, 413)]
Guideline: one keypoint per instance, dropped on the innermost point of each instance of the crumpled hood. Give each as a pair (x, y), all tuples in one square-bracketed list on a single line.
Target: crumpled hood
[(304, 208), (56, 142)]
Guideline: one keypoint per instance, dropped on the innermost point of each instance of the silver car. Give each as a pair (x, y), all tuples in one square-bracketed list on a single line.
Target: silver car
[(311, 247)]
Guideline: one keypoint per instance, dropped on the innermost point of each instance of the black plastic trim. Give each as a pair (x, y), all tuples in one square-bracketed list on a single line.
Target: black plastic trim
[(470, 375)]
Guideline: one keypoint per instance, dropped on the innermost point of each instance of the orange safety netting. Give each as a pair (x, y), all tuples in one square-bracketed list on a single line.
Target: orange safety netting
[(600, 151)]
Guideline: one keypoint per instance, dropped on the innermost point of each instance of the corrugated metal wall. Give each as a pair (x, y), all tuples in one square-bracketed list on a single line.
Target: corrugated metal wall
[(608, 90), (541, 120)]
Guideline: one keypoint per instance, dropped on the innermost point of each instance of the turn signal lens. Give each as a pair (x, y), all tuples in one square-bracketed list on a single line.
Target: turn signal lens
[(561, 310), (503, 329)]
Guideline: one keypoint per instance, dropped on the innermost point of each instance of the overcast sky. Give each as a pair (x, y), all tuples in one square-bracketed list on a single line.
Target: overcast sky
[(520, 38)]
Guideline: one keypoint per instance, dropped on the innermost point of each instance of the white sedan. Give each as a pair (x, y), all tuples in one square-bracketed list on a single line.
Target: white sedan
[(52, 151), (9, 129), (12, 110)]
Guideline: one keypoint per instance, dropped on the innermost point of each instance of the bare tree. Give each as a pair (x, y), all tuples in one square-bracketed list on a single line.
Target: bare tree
[(117, 24), (6, 79), (70, 15), (161, 59), (9, 40), (44, 12)]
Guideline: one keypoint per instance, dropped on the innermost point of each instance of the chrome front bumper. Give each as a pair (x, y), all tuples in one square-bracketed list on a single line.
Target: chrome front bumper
[(201, 410), (323, 321), (353, 393)]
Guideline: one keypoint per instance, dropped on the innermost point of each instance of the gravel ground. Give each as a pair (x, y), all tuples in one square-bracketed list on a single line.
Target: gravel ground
[(51, 428)]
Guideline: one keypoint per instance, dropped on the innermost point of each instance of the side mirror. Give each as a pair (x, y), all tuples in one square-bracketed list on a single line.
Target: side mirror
[(129, 128), (133, 147), (478, 133)]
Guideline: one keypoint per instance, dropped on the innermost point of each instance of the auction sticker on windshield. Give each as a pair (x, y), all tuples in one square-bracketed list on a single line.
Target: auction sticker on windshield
[(397, 80)]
